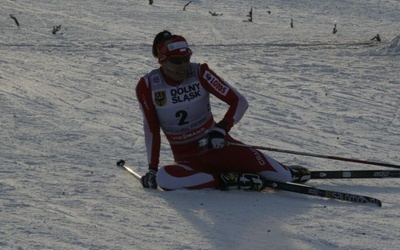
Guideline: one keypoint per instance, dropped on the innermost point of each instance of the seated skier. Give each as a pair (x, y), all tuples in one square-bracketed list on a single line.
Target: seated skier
[(175, 98)]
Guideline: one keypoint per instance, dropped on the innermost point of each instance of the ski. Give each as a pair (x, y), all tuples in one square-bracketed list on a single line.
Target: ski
[(296, 188), (309, 190), (350, 174)]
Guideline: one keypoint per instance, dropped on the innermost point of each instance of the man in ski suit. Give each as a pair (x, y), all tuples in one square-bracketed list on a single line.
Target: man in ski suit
[(175, 98)]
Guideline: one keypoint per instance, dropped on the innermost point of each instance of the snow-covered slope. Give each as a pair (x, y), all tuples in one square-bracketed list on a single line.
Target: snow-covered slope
[(68, 113)]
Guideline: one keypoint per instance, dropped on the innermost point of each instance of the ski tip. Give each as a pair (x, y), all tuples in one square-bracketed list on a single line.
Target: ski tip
[(120, 163), (373, 201)]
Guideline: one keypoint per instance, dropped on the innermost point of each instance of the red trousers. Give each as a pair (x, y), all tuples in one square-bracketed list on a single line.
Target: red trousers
[(202, 171)]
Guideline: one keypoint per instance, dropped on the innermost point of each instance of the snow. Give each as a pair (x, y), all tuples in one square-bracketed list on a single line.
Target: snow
[(68, 113)]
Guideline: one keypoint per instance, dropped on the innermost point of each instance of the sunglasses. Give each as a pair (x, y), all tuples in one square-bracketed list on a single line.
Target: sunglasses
[(179, 59)]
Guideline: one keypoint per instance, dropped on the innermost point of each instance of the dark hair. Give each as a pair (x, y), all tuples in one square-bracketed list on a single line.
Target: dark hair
[(161, 37)]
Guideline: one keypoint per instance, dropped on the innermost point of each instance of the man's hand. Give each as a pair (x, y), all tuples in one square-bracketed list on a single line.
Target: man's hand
[(149, 180), (214, 139)]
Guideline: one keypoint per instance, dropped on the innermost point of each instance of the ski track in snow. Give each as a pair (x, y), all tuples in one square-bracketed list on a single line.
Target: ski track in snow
[(69, 112)]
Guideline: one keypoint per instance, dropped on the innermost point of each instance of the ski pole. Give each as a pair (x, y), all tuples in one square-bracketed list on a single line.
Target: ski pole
[(121, 163), (315, 155)]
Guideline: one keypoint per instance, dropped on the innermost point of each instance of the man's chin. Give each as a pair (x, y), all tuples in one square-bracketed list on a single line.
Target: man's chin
[(177, 76)]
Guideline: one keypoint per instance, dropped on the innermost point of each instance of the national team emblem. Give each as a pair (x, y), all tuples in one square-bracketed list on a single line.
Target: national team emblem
[(160, 98)]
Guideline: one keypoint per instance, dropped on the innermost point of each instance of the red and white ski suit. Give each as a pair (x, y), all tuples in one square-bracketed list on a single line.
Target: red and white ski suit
[(183, 112)]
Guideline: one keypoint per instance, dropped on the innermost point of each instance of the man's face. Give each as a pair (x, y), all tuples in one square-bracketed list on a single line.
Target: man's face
[(176, 68)]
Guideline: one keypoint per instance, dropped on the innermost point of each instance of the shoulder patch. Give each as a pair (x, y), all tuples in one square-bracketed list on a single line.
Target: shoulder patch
[(215, 83)]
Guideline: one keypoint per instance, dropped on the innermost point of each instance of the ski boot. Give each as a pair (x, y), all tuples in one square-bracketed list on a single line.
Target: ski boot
[(238, 181)]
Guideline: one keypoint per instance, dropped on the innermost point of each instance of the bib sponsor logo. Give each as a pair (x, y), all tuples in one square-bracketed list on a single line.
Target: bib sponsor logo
[(187, 135), (160, 98), (185, 93), (215, 83)]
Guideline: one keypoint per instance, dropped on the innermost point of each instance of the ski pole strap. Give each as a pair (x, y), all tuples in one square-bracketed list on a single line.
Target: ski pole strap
[(315, 155)]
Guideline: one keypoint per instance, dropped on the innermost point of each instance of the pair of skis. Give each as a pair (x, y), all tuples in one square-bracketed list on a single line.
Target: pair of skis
[(337, 174), (310, 190)]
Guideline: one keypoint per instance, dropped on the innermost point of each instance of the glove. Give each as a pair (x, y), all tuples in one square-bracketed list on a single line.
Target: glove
[(149, 180), (214, 139)]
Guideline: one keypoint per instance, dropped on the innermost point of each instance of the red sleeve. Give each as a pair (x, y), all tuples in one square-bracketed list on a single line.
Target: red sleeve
[(226, 93), (151, 124)]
